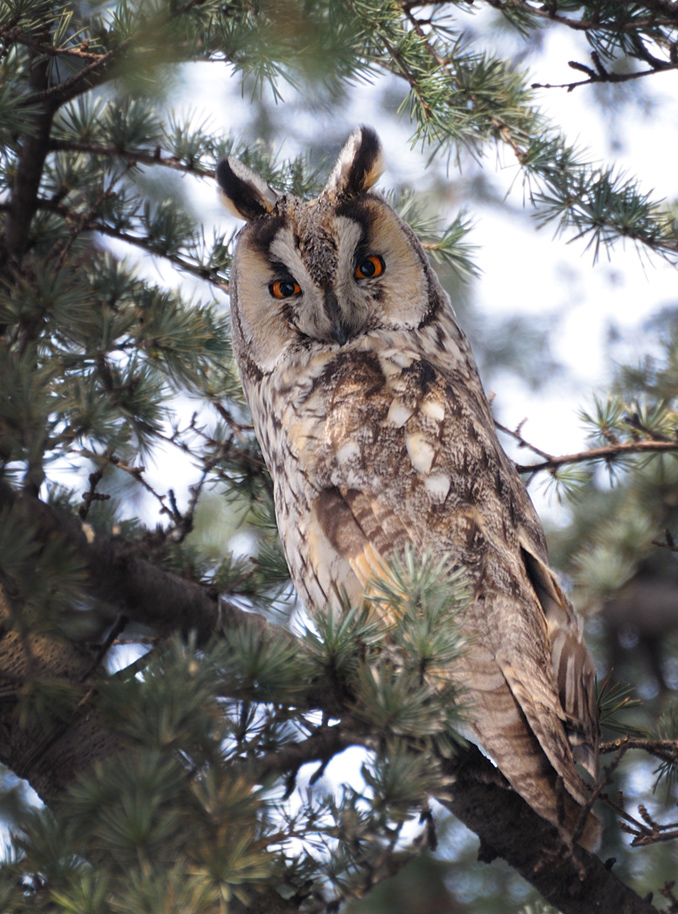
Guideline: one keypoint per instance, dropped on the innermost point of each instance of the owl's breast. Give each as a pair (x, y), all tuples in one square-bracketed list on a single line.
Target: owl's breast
[(388, 445)]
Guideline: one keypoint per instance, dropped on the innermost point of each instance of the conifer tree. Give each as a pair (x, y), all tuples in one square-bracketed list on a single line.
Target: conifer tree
[(163, 699)]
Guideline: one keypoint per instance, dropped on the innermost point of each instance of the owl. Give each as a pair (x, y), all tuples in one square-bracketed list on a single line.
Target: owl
[(377, 433)]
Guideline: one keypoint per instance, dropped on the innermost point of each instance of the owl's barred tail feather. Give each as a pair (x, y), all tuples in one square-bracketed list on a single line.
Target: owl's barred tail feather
[(516, 752), (545, 774)]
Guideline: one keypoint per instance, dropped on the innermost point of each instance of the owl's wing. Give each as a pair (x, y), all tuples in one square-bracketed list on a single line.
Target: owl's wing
[(575, 674), (428, 471)]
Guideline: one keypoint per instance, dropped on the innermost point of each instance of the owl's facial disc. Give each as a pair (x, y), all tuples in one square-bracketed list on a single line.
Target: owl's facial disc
[(328, 272), (325, 278)]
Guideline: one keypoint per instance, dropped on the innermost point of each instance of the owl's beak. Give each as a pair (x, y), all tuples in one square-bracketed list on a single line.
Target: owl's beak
[(339, 331)]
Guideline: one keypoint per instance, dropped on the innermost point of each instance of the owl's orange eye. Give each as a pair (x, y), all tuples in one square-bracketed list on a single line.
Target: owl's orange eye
[(284, 288), (369, 268)]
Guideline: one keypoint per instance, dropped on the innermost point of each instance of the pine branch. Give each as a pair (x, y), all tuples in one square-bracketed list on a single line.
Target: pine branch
[(609, 452), (137, 158), (89, 222), (118, 576), (664, 13)]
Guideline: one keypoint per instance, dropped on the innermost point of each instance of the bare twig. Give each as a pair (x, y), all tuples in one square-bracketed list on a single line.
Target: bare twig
[(116, 629), (609, 452), (664, 749), (644, 828), (610, 77), (134, 157), (91, 494)]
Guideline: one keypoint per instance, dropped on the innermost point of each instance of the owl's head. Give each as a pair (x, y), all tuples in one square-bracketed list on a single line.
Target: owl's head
[(324, 271)]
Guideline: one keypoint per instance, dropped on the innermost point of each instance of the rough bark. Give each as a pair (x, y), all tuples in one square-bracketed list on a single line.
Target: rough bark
[(569, 878)]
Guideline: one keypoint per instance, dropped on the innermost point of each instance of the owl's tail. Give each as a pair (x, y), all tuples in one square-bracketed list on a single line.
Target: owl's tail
[(547, 780)]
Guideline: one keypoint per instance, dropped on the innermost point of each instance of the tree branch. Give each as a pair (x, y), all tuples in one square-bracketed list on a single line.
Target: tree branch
[(666, 10), (608, 452), (138, 158), (23, 201), (118, 576)]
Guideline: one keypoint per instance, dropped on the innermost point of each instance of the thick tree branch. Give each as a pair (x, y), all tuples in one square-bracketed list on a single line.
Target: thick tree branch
[(118, 576), (570, 878)]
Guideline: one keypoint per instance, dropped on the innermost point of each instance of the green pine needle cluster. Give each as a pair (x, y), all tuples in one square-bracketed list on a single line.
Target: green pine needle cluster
[(193, 789)]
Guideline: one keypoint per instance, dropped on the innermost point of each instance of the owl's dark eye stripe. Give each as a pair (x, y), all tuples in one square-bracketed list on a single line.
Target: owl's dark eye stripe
[(369, 267), (284, 288)]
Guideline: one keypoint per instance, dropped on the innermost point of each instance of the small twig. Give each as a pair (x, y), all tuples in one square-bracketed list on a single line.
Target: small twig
[(117, 628), (138, 474), (602, 76), (601, 453), (91, 494), (517, 435), (664, 749)]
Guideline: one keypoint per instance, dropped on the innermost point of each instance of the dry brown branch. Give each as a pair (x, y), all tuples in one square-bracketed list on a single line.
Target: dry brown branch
[(608, 453)]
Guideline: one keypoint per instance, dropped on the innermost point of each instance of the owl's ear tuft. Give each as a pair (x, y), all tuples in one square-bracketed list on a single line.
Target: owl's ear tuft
[(359, 166), (243, 192)]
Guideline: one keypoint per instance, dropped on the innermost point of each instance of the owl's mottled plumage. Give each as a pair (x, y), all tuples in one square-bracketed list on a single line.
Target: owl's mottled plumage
[(378, 435)]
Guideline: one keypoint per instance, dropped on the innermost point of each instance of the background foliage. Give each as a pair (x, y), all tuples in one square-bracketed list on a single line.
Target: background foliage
[(189, 752)]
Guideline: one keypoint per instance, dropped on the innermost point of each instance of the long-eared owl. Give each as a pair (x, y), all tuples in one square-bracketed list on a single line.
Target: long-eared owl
[(374, 425)]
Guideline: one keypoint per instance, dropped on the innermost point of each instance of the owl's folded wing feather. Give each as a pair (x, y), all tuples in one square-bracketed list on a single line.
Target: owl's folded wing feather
[(517, 723), (575, 675)]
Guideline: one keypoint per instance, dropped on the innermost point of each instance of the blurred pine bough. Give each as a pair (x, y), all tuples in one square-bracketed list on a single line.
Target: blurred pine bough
[(98, 358)]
